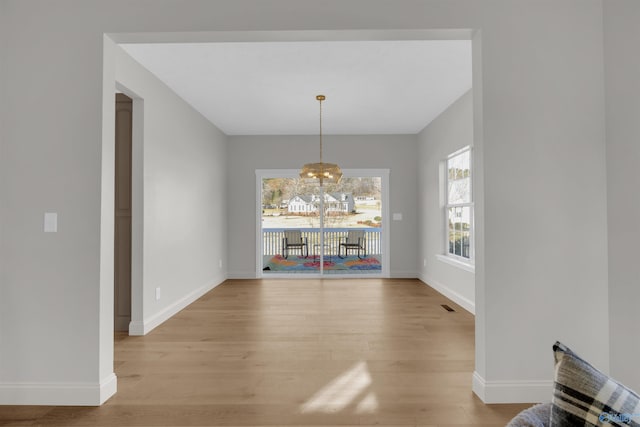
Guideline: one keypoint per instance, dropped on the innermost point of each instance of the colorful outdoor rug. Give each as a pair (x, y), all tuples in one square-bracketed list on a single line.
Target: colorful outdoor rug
[(296, 263)]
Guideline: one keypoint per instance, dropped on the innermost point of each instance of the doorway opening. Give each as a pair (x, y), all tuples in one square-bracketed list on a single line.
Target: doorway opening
[(106, 359), (122, 212)]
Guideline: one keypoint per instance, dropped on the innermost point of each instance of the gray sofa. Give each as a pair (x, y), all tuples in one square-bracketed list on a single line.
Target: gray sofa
[(536, 416)]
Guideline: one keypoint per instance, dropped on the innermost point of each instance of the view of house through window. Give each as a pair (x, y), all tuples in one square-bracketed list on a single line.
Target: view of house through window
[(334, 229), (459, 208)]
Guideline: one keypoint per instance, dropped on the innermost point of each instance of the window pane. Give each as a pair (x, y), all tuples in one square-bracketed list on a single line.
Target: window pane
[(460, 231), (453, 165), (459, 178), (459, 191), (466, 253), (465, 221), (465, 164), (451, 230), (459, 166), (465, 218)]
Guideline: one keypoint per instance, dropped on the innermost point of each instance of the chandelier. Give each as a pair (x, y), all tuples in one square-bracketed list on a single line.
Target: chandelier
[(329, 172)]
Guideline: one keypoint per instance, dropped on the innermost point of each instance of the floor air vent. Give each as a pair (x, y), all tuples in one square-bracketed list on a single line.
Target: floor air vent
[(446, 307)]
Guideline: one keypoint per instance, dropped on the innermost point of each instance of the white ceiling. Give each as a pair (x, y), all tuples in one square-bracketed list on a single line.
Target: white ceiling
[(269, 88)]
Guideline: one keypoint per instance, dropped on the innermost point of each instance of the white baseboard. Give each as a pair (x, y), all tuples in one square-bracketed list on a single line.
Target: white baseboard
[(58, 394), (242, 275), (403, 274), (454, 296), (108, 387), (144, 327), (396, 274), (512, 391)]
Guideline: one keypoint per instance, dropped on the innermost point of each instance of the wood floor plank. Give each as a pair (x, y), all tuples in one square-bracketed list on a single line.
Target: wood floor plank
[(295, 353)]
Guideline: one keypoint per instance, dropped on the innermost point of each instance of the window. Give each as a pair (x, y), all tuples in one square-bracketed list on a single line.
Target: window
[(318, 214), (459, 206)]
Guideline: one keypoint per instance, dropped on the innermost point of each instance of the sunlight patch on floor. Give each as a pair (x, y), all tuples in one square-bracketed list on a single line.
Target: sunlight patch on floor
[(367, 405), (344, 391)]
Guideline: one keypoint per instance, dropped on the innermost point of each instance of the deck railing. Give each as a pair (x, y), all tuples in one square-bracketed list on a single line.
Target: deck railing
[(272, 239)]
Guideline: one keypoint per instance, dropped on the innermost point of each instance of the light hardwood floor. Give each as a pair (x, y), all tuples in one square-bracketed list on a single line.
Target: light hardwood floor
[(295, 353)]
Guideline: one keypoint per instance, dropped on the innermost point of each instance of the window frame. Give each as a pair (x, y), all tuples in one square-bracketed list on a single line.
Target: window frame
[(447, 253)]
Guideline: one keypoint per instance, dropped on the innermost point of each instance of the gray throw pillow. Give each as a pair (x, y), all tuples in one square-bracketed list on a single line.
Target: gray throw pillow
[(584, 396)]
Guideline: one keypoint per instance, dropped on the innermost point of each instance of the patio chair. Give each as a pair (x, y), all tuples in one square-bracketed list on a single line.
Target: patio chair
[(293, 240), (355, 240)]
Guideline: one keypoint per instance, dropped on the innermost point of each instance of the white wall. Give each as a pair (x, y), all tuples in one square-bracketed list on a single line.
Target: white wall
[(541, 100), (50, 305), (184, 172), (449, 132), (544, 164), (3, 176), (622, 71), (53, 323), (394, 152)]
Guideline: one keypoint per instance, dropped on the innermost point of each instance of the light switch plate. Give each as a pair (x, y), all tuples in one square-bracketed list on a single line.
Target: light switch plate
[(397, 217), (50, 222)]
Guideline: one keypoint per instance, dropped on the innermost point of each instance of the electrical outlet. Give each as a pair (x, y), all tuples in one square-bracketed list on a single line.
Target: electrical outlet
[(157, 294), (220, 263), (424, 262)]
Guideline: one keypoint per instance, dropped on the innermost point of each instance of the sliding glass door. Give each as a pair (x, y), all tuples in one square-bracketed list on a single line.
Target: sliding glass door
[(352, 226), (336, 229), (290, 224)]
